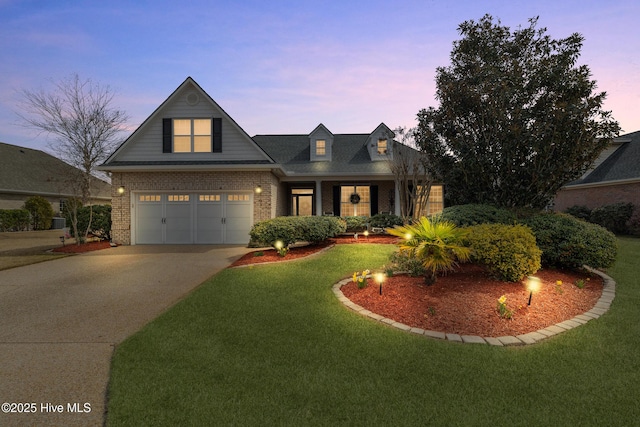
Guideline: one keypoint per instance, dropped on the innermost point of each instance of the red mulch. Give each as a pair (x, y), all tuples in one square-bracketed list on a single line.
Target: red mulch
[(465, 302), (72, 248)]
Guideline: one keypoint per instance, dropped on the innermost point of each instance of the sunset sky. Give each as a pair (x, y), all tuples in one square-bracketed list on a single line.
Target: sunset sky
[(286, 66)]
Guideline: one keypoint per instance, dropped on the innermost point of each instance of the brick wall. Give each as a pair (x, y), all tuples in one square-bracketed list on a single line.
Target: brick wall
[(264, 204), (594, 197)]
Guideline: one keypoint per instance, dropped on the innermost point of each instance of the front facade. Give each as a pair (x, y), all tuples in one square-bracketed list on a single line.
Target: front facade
[(191, 175), (614, 178)]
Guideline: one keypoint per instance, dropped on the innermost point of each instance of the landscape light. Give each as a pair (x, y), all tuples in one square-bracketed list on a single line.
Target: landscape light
[(380, 278), (533, 285)]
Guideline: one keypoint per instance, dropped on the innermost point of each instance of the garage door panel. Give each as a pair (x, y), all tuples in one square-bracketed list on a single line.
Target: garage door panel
[(178, 224), (237, 218), (209, 227), (149, 221)]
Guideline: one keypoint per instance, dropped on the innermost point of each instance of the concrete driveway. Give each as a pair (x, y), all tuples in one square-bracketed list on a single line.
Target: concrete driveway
[(60, 321)]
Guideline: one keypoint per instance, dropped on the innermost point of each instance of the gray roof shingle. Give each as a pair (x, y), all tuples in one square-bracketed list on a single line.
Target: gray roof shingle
[(28, 171), (349, 155), (623, 164)]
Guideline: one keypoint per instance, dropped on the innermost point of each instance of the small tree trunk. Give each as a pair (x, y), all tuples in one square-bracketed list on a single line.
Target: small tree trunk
[(429, 278)]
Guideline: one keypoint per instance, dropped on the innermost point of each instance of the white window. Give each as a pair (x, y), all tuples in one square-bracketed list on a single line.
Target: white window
[(178, 198), (382, 147), (149, 197), (209, 197), (321, 147), (433, 205), (192, 135), (237, 197), (355, 200)]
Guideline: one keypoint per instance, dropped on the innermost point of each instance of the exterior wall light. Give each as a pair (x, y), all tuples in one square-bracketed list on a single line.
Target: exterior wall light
[(533, 285), (258, 189), (121, 190)]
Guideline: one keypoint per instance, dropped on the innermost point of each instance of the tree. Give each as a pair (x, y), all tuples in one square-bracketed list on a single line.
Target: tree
[(411, 172), (85, 127), (40, 211), (437, 244), (517, 117)]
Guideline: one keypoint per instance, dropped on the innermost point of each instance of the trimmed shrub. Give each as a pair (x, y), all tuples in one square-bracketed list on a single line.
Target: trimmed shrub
[(403, 261), (356, 223), (474, 214), (613, 217), (579, 211), (385, 220), (41, 212), (566, 241), (14, 219), (100, 221), (291, 229), (508, 251)]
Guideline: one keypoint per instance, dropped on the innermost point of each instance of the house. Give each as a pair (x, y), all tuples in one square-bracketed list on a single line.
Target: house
[(190, 174), (25, 172), (614, 178)]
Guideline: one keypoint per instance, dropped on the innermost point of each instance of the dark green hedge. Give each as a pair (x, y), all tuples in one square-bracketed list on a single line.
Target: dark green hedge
[(100, 221), (14, 219), (474, 214), (291, 229), (566, 241)]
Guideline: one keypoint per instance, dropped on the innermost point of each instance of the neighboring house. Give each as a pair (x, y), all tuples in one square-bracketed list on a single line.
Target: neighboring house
[(191, 174), (25, 172), (614, 178)]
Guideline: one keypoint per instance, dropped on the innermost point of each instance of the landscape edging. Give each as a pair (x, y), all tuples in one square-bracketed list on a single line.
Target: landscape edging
[(601, 307)]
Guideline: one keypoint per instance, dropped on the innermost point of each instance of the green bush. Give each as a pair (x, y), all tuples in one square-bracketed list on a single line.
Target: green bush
[(41, 212), (385, 220), (508, 251), (403, 261), (566, 241), (291, 229), (474, 214), (613, 217), (100, 221), (579, 211), (14, 219), (356, 223)]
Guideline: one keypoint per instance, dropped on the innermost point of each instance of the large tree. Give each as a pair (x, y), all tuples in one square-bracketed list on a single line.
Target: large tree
[(85, 129), (518, 118), (412, 175)]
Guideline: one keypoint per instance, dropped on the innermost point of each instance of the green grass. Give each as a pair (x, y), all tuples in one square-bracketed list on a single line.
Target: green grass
[(271, 345)]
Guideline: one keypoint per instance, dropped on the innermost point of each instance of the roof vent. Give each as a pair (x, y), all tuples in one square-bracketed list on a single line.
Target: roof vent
[(193, 98)]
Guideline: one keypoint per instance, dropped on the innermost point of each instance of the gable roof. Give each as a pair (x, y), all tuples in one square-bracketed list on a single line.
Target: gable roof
[(34, 172), (622, 165), (350, 156), (113, 162)]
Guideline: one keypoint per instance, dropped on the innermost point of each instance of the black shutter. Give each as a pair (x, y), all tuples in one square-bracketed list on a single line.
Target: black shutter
[(374, 199), (216, 131), (167, 133), (336, 200)]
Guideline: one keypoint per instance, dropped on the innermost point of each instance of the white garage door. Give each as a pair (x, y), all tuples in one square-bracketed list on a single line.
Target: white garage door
[(193, 218)]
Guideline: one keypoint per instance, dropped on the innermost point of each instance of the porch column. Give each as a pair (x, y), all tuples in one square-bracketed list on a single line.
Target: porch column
[(318, 197), (397, 197)]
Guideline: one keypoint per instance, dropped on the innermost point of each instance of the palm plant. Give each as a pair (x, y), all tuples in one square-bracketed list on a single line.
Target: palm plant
[(436, 243)]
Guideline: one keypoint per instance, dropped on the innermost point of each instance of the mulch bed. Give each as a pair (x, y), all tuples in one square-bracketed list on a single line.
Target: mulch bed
[(465, 301), (85, 247)]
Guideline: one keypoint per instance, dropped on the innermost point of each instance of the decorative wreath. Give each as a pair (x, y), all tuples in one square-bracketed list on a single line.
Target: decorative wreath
[(355, 198)]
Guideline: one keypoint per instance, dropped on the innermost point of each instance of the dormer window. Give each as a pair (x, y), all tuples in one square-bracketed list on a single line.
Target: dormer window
[(321, 147), (382, 147)]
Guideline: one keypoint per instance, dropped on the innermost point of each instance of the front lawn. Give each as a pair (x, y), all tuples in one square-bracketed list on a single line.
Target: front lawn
[(271, 345)]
